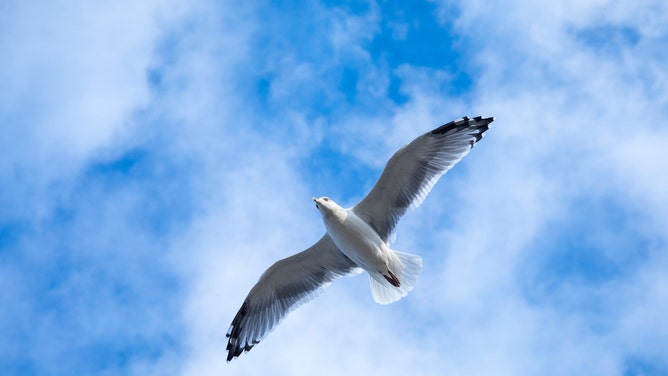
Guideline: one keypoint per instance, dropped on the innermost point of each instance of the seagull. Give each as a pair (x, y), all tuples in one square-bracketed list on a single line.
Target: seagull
[(358, 238)]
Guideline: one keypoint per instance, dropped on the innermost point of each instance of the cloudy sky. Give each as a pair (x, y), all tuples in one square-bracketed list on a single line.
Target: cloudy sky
[(158, 156)]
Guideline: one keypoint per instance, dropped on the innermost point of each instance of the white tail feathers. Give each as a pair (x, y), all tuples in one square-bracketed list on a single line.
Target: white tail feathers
[(407, 268)]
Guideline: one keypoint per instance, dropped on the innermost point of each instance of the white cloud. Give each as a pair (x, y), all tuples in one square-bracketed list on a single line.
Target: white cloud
[(73, 74), (80, 67)]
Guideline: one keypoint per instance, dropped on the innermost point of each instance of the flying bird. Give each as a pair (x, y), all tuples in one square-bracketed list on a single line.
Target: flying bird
[(357, 238)]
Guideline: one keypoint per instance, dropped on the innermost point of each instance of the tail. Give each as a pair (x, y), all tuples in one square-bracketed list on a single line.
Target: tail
[(406, 269)]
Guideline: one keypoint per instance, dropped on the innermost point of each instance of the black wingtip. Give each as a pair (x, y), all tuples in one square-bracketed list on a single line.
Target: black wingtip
[(478, 125), (478, 122), (234, 347)]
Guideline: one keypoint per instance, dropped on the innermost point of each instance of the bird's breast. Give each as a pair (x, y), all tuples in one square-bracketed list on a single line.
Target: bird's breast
[(358, 241)]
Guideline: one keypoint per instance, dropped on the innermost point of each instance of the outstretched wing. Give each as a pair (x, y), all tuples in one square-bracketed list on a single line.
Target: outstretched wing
[(413, 170), (287, 284)]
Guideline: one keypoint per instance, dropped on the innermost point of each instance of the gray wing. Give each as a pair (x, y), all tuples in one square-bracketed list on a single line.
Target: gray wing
[(287, 284), (413, 170)]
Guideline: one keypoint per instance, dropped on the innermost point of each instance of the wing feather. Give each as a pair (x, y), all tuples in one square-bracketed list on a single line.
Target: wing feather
[(283, 287), (412, 172)]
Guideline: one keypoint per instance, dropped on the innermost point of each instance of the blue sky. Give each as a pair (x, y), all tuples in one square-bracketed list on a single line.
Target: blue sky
[(158, 156)]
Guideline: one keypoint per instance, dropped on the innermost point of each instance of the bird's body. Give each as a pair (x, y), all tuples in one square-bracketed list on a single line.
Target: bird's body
[(357, 239), (354, 237), (362, 245)]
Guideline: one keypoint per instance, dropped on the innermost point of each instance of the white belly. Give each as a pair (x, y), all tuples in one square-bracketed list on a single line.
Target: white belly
[(359, 241)]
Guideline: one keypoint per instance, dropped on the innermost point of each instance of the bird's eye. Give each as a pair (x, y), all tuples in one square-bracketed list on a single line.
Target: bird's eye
[(326, 198)]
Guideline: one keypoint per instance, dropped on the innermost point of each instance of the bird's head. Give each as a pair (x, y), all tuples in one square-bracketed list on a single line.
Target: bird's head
[(326, 205)]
